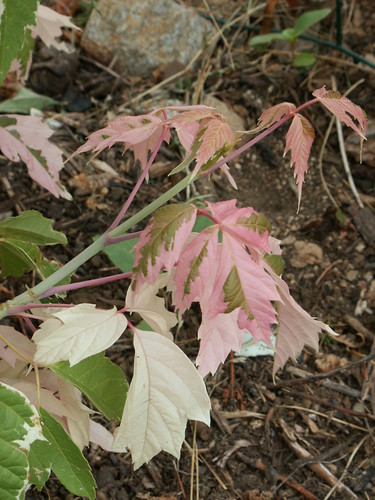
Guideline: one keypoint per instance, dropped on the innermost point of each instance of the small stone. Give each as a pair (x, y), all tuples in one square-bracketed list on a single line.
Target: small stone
[(306, 254), (352, 275), (144, 35)]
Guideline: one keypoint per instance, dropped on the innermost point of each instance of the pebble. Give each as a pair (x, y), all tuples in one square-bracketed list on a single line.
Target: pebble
[(305, 254)]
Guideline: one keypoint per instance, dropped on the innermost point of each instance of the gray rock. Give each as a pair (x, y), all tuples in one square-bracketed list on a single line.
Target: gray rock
[(144, 34)]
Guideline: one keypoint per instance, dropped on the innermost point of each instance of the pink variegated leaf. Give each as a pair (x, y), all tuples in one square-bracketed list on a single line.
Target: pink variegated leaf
[(245, 224), (205, 130), (343, 108), (187, 122), (217, 138), (49, 24), (26, 138), (299, 139), (250, 288), (219, 335), (140, 133), (195, 269), (161, 242), (273, 115), (296, 327)]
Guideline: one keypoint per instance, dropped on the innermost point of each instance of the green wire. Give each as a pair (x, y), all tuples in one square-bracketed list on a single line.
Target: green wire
[(337, 46)]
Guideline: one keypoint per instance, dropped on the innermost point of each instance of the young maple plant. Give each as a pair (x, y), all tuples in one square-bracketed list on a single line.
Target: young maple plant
[(232, 267)]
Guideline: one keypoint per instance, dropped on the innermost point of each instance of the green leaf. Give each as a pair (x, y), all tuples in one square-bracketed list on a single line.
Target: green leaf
[(201, 223), (39, 463), (303, 60), (68, 463), (100, 380), (234, 294), (266, 38), (19, 428), (144, 326), (24, 100), (31, 227), (121, 254), (308, 19), (15, 16), (17, 257), (276, 262)]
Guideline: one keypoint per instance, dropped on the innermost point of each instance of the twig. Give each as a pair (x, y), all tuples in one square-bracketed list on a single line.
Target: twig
[(219, 30), (321, 376), (353, 454), (357, 325), (324, 415), (326, 403), (241, 443), (318, 468), (241, 414), (258, 464), (344, 156)]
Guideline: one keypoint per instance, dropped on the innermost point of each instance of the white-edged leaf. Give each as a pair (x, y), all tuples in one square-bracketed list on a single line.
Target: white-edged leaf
[(165, 391), (76, 333), (20, 427)]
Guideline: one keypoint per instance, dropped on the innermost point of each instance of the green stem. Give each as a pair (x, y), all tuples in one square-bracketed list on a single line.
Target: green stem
[(92, 250)]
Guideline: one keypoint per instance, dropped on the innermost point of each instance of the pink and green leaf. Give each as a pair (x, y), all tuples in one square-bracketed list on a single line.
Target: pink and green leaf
[(161, 242)]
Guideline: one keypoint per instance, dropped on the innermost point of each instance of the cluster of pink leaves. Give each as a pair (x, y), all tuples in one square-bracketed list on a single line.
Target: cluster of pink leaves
[(201, 130), (226, 269), (300, 135)]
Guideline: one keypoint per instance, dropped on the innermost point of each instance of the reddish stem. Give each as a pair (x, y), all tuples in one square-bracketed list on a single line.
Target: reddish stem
[(84, 284), (258, 138), (135, 190)]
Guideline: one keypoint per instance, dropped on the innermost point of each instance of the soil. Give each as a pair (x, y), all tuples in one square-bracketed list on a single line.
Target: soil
[(258, 424)]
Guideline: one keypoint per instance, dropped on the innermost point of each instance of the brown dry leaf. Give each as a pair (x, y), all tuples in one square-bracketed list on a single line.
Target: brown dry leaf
[(328, 362)]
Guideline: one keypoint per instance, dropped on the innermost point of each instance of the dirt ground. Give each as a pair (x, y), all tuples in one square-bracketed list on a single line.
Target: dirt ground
[(310, 432)]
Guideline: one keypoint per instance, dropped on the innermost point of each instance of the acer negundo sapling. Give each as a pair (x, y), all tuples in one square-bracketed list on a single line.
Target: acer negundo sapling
[(232, 268)]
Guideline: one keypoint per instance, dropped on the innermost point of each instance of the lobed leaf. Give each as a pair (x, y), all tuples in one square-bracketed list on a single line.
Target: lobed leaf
[(343, 108), (273, 115), (139, 133), (166, 391), (299, 139), (296, 328), (26, 138)]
